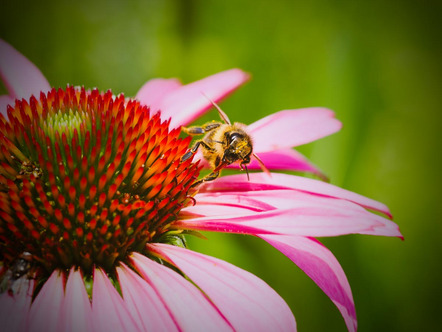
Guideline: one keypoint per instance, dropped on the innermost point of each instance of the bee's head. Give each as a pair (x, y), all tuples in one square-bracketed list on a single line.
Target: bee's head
[(239, 148)]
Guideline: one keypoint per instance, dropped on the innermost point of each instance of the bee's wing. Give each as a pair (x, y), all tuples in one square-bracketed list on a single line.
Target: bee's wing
[(261, 164), (221, 113)]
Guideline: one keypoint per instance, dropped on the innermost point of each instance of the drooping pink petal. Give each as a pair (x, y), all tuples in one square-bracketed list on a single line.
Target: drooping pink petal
[(109, 310), (4, 102), (20, 76), (77, 310), (47, 307), (322, 267), (190, 309), (14, 309), (144, 304), (188, 102), (246, 301), (286, 129), (154, 91), (261, 181)]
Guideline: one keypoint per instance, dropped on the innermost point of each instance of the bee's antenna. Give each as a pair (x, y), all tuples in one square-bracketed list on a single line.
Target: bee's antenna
[(261, 164), (223, 115)]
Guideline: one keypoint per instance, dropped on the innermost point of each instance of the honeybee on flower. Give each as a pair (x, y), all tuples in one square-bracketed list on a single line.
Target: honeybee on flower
[(223, 144)]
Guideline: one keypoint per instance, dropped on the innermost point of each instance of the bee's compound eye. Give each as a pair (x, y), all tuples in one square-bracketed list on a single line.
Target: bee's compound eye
[(234, 137)]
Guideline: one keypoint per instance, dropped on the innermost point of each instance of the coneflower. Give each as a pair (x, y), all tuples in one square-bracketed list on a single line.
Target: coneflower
[(95, 203), (86, 179)]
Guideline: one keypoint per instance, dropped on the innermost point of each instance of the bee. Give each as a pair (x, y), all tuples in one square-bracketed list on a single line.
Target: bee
[(20, 270), (223, 144)]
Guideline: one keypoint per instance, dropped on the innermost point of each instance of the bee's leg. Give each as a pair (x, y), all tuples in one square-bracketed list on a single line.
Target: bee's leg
[(195, 130), (193, 150), (212, 176)]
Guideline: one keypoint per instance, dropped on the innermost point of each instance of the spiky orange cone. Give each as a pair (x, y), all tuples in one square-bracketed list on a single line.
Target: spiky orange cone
[(86, 178)]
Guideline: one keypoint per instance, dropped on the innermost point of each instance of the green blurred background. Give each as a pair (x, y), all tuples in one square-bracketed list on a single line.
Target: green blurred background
[(376, 63)]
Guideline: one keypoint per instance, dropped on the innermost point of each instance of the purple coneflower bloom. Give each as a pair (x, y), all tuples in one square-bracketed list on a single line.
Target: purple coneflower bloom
[(95, 202)]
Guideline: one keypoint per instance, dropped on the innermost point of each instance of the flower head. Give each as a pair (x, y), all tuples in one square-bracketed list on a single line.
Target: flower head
[(87, 178), (95, 201)]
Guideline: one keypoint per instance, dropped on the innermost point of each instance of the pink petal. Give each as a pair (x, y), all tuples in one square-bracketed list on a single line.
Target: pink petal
[(294, 213), (322, 267), (109, 310), (287, 129), (215, 204), (77, 310), (188, 102), (287, 159), (247, 302), (14, 309), (47, 307), (261, 181), (154, 91), (283, 211), (190, 309), (20, 76), (4, 102), (144, 304)]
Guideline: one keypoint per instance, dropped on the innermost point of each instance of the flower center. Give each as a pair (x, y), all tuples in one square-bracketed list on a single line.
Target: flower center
[(86, 179), (63, 122)]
